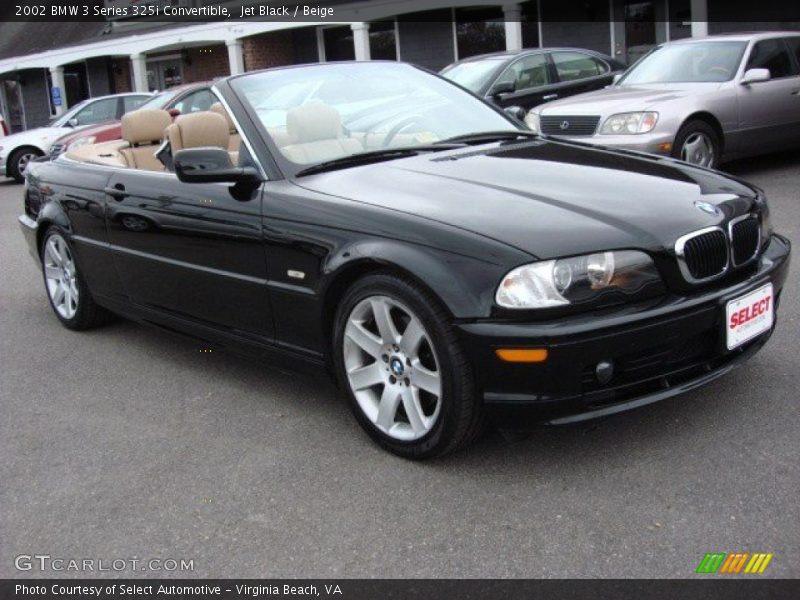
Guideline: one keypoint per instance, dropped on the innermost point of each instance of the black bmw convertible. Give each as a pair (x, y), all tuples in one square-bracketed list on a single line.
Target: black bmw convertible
[(446, 264)]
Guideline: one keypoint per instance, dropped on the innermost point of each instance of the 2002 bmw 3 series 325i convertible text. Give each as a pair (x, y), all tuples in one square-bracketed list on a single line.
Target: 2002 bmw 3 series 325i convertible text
[(443, 261)]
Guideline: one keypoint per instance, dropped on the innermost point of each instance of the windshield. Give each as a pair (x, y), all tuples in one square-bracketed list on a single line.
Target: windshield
[(696, 62), (474, 74), (62, 120), (320, 113), (159, 100)]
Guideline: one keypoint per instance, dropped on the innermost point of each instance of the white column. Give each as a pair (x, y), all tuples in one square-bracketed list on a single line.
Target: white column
[(513, 18), (57, 78), (361, 40), (235, 56), (139, 69), (699, 12)]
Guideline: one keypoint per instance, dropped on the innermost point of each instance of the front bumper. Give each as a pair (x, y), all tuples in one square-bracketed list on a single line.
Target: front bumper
[(658, 350), (652, 143)]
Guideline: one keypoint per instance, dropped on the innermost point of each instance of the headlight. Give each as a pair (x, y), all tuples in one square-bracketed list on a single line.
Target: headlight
[(629, 123), (532, 121), (84, 141), (577, 280)]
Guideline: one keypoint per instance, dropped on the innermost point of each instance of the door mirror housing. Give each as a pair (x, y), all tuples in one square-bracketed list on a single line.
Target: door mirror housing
[(517, 112), (504, 87), (73, 122), (211, 165), (756, 76), (616, 79)]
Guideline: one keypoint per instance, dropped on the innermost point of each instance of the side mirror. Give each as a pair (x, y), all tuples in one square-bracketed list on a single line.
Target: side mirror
[(756, 76), (211, 165), (517, 112), (616, 79), (73, 122), (504, 87)]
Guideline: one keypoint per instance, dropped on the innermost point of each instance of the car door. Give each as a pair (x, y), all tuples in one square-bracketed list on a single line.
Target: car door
[(794, 49), (768, 110), (190, 250), (579, 72), (532, 79)]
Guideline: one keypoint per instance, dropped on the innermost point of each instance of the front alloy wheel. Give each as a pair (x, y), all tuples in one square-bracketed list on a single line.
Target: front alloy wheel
[(394, 376), (407, 378)]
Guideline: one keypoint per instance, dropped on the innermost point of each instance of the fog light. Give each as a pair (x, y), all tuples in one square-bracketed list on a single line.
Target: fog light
[(604, 371), (522, 355)]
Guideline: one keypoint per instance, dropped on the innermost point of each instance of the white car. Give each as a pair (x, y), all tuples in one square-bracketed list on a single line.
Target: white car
[(18, 149)]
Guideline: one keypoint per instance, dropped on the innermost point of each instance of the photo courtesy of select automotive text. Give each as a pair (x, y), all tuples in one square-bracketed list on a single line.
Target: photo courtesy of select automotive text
[(408, 299)]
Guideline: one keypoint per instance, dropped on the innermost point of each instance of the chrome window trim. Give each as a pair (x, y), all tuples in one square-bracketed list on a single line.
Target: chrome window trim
[(242, 134), (733, 222), (680, 245)]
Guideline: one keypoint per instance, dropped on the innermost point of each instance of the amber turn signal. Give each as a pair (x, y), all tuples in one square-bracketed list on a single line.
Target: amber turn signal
[(522, 355)]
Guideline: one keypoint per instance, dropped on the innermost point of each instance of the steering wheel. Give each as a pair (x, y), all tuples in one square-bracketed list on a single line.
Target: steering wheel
[(403, 124)]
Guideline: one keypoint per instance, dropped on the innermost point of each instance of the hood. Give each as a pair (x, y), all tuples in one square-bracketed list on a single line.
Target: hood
[(41, 137), (547, 198), (624, 99)]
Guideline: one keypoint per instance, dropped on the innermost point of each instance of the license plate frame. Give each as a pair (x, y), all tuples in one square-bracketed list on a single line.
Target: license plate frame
[(741, 325)]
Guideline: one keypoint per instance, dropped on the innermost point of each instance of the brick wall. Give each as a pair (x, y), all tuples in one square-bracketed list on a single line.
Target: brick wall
[(266, 50), (122, 75), (205, 63)]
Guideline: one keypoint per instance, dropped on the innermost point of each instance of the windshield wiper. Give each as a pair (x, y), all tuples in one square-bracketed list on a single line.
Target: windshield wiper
[(488, 136), (365, 158)]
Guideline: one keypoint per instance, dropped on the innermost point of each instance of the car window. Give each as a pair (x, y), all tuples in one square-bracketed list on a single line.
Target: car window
[(473, 74), (196, 101), (691, 62), (794, 47), (97, 112), (527, 73), (571, 66), (772, 55), (133, 102)]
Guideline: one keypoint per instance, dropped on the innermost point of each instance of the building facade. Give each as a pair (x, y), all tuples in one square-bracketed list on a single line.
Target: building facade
[(92, 59)]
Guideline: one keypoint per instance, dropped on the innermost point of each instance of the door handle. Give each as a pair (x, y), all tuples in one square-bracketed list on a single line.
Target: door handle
[(550, 97), (117, 192), (795, 92)]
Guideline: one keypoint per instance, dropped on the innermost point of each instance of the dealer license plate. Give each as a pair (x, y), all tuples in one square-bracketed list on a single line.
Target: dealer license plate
[(749, 316)]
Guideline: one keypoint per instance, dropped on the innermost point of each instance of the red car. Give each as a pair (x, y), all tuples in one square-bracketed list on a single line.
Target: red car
[(182, 99)]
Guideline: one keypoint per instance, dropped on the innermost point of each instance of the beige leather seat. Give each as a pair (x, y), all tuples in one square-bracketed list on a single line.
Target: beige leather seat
[(143, 129), (236, 139), (198, 130), (315, 134)]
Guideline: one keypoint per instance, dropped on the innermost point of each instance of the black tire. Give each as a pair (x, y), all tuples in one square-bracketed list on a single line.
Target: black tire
[(696, 128), (460, 414), (14, 170), (88, 313)]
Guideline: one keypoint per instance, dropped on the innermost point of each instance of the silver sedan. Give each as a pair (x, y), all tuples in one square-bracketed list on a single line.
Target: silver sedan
[(701, 100)]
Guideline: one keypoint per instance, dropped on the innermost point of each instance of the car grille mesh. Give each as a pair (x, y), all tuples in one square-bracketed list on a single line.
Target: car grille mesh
[(569, 125), (706, 255), (744, 240)]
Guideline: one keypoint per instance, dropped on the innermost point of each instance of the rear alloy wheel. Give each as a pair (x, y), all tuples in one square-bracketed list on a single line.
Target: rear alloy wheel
[(19, 160), (697, 143), (405, 374), (68, 294)]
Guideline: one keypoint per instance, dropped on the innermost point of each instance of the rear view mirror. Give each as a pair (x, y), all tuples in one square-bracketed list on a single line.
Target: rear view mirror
[(756, 76), (504, 87), (517, 112), (210, 165)]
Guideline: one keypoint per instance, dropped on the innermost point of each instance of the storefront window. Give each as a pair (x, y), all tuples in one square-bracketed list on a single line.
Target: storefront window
[(382, 40), (338, 43), (479, 30)]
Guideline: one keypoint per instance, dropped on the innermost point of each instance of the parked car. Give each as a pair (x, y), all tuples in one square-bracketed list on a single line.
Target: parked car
[(17, 150), (703, 101), (531, 77), (443, 261), (187, 98)]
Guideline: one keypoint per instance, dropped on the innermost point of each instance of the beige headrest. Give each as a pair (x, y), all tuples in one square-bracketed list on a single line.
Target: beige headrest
[(313, 122), (218, 108), (199, 130), (144, 125)]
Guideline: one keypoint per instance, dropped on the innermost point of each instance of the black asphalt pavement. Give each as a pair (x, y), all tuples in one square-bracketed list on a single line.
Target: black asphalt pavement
[(125, 442)]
